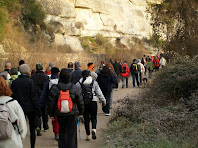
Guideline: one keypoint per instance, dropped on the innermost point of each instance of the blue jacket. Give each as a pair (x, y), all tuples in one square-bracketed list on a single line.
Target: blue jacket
[(45, 93)]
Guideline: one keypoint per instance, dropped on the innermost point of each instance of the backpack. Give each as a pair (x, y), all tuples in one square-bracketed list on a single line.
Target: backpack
[(6, 126), (65, 103), (134, 67), (87, 92), (124, 69)]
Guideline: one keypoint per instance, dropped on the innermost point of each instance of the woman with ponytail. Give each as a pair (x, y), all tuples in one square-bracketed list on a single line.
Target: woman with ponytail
[(85, 84)]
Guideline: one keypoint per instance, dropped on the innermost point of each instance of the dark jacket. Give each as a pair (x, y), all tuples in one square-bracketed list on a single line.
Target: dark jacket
[(105, 83), (39, 79), (117, 67), (115, 79), (45, 93), (76, 75), (24, 91), (132, 70), (75, 94)]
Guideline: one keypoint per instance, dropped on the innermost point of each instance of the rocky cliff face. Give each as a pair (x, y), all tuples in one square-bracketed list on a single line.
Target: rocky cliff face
[(111, 18)]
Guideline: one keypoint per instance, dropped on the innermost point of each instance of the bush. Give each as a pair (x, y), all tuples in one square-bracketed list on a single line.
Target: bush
[(3, 20)]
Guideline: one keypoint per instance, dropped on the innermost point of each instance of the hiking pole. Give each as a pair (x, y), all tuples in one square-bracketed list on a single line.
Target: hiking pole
[(79, 127)]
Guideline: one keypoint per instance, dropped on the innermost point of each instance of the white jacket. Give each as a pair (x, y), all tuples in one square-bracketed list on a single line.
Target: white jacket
[(162, 61), (16, 114), (142, 69), (96, 89)]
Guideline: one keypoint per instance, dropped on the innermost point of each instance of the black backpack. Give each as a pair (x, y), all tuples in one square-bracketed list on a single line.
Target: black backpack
[(87, 92), (134, 67), (124, 69)]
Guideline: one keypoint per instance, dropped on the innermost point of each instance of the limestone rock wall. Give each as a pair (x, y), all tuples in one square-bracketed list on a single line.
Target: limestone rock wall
[(111, 18)]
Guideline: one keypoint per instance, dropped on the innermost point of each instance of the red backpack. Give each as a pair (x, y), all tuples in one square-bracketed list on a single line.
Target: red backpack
[(64, 104)]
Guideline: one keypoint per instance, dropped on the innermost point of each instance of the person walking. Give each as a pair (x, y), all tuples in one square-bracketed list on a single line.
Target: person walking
[(150, 67), (13, 75), (90, 67), (44, 99), (67, 121), (40, 79), (141, 71), (162, 61), (6, 73), (16, 117), (105, 81), (134, 72), (117, 67), (156, 63), (76, 74), (88, 85), (125, 74), (24, 91)]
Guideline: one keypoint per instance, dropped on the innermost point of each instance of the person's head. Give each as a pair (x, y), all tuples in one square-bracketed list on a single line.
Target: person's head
[(116, 60), (21, 62), (33, 71), (110, 66), (138, 60), (102, 64), (85, 74), (14, 71), (77, 64), (39, 66), (8, 65), (144, 55), (51, 64), (4, 88), (90, 66), (24, 69), (65, 75), (105, 71), (55, 71), (48, 68), (134, 60), (70, 65)]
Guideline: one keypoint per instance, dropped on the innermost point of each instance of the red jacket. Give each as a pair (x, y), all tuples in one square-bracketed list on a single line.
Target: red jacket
[(127, 70), (156, 63)]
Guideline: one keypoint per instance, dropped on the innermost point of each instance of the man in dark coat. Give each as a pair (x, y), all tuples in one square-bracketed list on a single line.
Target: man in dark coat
[(76, 74), (39, 79), (24, 91), (67, 121), (134, 72)]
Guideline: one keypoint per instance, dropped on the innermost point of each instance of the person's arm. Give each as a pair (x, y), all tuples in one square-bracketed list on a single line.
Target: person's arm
[(44, 93), (53, 99), (21, 122), (79, 99)]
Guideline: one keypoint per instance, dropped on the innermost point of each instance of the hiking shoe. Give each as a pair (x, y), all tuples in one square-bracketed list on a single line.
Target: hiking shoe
[(93, 132), (117, 89), (38, 130), (88, 137), (56, 137), (46, 130), (108, 114)]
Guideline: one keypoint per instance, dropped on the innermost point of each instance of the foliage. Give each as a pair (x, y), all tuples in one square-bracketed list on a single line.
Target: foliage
[(160, 118), (179, 20), (10, 5), (156, 41), (3, 20)]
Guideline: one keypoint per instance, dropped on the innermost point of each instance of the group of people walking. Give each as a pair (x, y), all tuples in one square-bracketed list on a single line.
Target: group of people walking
[(64, 95)]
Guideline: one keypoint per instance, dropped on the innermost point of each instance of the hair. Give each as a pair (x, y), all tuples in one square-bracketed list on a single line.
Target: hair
[(48, 68), (70, 65), (116, 60), (14, 71), (33, 71), (89, 64), (77, 65), (85, 74), (4, 88), (7, 64), (21, 62), (105, 71), (134, 60), (65, 75), (110, 66)]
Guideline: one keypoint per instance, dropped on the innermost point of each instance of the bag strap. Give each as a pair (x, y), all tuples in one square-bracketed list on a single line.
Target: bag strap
[(7, 102), (64, 89)]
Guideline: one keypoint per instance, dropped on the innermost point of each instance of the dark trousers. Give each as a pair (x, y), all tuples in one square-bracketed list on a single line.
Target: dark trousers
[(140, 77), (90, 114), (44, 116), (118, 77), (135, 77), (32, 125), (67, 132), (107, 95)]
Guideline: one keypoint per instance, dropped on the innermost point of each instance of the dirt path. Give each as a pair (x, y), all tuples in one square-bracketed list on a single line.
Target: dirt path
[(47, 139)]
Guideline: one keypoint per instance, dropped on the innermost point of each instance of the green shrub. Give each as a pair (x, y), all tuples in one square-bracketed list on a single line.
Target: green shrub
[(10, 5), (3, 20)]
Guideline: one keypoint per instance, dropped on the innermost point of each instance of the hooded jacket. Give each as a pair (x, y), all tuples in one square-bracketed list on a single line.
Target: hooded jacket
[(75, 94), (127, 70), (95, 90), (16, 114)]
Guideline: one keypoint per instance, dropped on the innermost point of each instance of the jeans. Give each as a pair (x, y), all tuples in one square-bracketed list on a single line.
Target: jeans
[(140, 78), (135, 77), (123, 78), (90, 114), (67, 131), (32, 125)]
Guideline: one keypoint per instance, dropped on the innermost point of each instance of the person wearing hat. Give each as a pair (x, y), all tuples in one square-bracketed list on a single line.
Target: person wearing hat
[(67, 121), (39, 79), (24, 91), (90, 67), (45, 95)]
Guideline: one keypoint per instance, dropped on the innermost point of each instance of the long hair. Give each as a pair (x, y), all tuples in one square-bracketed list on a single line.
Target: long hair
[(110, 66), (85, 74), (4, 88), (105, 72)]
